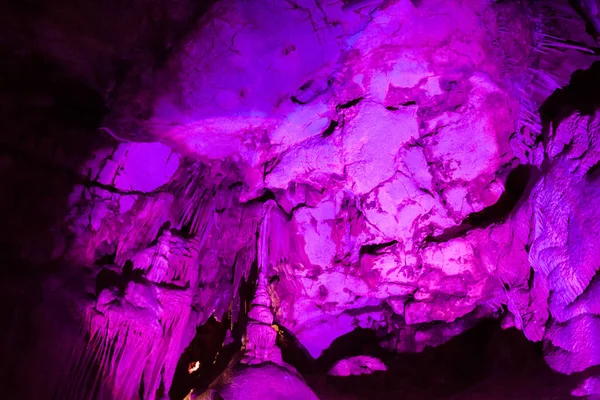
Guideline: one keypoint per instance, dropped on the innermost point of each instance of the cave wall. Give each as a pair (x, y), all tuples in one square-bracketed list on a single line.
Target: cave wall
[(433, 163)]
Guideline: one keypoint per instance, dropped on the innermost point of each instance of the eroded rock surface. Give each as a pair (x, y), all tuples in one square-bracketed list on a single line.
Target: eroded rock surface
[(386, 136), (417, 185)]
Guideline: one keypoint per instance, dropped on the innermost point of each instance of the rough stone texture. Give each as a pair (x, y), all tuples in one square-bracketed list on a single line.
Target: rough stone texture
[(588, 389), (564, 250), (359, 365), (419, 185), (268, 381), (400, 118)]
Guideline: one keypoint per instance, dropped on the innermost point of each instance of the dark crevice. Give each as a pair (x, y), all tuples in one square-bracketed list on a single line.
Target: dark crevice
[(186, 230), (106, 279), (308, 92), (581, 95), (274, 279), (519, 183), (206, 346), (235, 185), (293, 352), (530, 279), (263, 198), (405, 104), (374, 249), (166, 226), (594, 172), (141, 388), (109, 278), (295, 100), (269, 166), (349, 104), (106, 259), (294, 209), (270, 195), (306, 85), (243, 300), (112, 189), (330, 129), (426, 191)]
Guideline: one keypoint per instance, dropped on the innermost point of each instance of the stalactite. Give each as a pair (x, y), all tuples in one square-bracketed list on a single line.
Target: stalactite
[(143, 229), (159, 267), (195, 193), (136, 338)]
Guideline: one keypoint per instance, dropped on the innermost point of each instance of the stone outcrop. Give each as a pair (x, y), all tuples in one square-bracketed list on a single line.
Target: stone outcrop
[(425, 165)]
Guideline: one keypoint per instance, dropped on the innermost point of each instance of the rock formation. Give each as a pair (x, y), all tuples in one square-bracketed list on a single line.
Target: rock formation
[(311, 167), (359, 365), (261, 373)]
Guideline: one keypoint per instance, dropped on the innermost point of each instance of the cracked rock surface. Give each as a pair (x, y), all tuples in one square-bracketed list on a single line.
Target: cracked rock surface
[(431, 164)]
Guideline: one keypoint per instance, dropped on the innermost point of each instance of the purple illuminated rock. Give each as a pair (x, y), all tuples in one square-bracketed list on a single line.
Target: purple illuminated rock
[(590, 388), (359, 365), (384, 138), (354, 106), (261, 372), (564, 252), (139, 167), (269, 381)]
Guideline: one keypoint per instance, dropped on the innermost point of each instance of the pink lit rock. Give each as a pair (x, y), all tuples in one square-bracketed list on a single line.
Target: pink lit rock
[(260, 341), (589, 389), (261, 372), (359, 365), (317, 334), (268, 381), (139, 167), (564, 251), (386, 134), (370, 150)]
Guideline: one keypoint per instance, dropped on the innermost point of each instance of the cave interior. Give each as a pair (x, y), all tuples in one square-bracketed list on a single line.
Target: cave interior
[(300, 199)]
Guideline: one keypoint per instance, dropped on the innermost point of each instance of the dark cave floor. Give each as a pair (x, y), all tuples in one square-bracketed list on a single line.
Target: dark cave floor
[(484, 363), (543, 386)]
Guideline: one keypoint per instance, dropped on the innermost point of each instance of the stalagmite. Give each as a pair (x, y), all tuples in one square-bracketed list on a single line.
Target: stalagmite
[(260, 341), (261, 373)]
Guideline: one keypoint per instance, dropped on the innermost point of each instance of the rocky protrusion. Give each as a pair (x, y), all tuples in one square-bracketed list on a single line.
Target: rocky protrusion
[(260, 341), (160, 262), (359, 365)]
